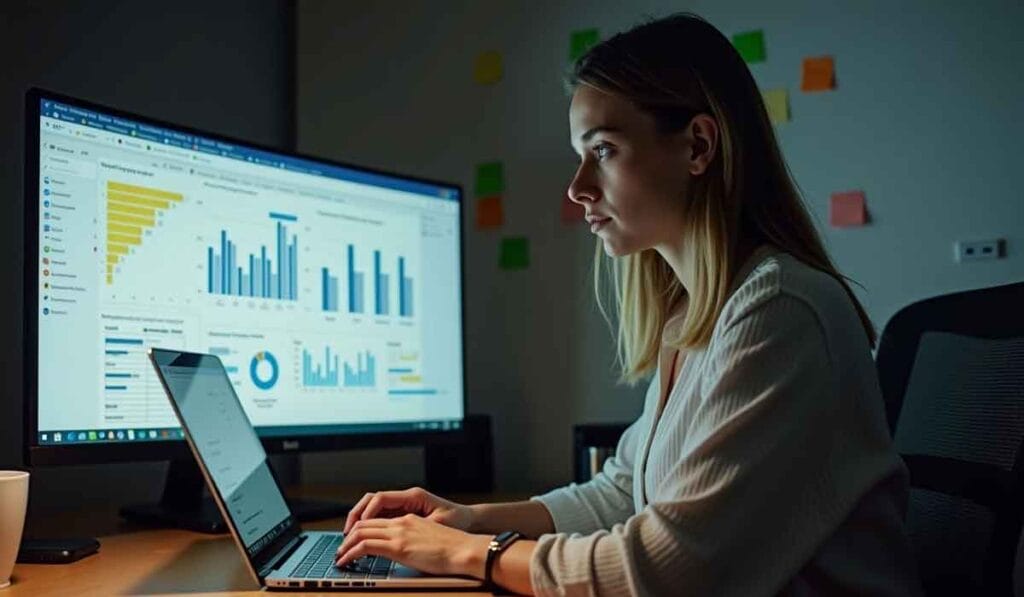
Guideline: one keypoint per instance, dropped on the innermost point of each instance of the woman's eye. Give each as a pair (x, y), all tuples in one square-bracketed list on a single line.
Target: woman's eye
[(602, 151)]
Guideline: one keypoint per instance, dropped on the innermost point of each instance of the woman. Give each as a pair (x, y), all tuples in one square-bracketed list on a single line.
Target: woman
[(762, 463)]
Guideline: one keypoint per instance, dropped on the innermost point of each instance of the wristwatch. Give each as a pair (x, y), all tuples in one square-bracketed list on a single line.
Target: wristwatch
[(498, 544)]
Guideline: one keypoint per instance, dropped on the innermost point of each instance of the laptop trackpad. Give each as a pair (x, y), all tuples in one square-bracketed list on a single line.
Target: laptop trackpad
[(400, 571)]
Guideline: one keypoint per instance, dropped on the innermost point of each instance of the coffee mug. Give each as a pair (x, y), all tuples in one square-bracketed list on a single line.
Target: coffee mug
[(13, 503)]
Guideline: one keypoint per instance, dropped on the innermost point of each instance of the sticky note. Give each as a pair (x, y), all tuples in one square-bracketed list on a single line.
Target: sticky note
[(515, 253), (490, 180), (776, 101), (582, 40), (572, 213), (487, 69), (488, 212), (750, 45), (847, 209), (818, 74)]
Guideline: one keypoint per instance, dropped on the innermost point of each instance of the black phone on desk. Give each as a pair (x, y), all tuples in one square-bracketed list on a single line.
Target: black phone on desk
[(56, 551)]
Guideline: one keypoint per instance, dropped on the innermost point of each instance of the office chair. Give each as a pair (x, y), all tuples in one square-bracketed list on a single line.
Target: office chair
[(952, 375)]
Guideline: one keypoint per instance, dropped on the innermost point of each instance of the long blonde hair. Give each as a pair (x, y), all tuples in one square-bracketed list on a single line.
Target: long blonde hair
[(674, 68)]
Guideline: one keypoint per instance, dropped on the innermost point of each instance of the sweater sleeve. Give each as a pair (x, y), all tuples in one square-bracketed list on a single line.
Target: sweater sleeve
[(751, 496), (605, 500)]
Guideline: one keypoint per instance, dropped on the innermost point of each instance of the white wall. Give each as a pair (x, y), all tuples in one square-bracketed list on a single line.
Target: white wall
[(925, 120)]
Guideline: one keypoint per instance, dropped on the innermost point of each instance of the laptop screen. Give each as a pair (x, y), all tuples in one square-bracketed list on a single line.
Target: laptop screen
[(227, 444)]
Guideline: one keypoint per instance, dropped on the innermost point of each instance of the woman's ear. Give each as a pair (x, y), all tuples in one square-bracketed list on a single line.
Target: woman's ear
[(703, 133)]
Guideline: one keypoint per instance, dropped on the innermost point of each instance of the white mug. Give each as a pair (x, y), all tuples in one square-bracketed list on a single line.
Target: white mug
[(13, 503)]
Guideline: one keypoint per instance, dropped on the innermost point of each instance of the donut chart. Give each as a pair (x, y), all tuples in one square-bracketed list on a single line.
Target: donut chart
[(263, 370)]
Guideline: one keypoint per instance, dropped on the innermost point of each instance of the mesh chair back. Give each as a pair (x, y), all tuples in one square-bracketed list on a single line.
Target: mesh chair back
[(952, 374)]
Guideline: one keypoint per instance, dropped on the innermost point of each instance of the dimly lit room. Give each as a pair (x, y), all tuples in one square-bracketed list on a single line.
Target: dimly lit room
[(573, 298)]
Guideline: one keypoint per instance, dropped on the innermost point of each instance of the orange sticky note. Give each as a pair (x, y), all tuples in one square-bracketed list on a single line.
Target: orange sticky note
[(819, 74), (572, 213), (488, 212), (847, 209)]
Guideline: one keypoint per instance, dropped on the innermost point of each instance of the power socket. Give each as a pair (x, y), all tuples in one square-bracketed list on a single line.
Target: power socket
[(978, 250)]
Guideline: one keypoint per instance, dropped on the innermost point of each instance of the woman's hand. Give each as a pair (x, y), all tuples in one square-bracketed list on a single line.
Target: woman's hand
[(417, 542), (390, 504)]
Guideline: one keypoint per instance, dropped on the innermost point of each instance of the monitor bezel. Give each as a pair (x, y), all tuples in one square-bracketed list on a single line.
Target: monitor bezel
[(36, 454)]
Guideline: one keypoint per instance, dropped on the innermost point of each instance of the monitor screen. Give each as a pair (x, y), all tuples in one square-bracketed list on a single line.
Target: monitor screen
[(332, 294)]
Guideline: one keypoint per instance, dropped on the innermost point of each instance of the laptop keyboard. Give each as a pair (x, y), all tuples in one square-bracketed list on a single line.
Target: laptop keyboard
[(319, 563)]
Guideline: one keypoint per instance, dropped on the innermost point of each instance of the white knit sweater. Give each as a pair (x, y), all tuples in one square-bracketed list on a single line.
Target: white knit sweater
[(769, 469)]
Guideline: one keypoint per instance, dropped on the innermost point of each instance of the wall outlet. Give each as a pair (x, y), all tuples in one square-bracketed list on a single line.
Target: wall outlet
[(978, 250)]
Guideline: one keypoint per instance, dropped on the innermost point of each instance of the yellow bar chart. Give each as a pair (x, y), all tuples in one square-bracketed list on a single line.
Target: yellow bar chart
[(131, 209)]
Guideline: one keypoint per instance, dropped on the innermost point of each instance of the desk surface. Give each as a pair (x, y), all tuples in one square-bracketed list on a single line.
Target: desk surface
[(138, 561)]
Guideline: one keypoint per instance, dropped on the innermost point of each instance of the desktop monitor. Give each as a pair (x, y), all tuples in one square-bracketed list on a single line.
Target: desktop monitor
[(331, 292)]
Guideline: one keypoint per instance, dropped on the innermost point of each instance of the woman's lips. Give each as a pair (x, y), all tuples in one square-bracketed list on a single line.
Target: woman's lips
[(596, 223)]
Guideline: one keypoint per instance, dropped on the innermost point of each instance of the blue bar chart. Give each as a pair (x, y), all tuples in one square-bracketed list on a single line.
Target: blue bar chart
[(355, 283), (273, 277), (329, 291), (380, 287), (323, 374), (328, 370), (364, 373), (404, 291)]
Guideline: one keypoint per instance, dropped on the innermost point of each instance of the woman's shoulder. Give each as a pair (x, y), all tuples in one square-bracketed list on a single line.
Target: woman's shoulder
[(770, 274)]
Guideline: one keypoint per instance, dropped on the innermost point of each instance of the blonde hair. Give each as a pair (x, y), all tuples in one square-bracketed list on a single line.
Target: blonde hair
[(673, 69)]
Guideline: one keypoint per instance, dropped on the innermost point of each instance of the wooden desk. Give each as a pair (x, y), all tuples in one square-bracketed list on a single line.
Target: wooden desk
[(139, 561)]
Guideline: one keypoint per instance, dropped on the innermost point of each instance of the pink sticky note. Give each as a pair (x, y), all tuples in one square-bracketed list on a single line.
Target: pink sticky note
[(572, 213), (847, 209)]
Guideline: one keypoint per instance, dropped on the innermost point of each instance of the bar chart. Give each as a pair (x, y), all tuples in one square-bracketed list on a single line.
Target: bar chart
[(132, 210), (355, 283), (380, 287), (329, 371), (270, 276), (329, 294), (132, 395), (404, 291), (364, 372), (355, 286)]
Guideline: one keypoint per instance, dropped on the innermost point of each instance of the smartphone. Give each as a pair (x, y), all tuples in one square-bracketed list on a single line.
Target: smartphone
[(56, 551)]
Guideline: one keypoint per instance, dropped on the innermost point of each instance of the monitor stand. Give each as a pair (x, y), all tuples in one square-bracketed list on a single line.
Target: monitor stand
[(183, 505)]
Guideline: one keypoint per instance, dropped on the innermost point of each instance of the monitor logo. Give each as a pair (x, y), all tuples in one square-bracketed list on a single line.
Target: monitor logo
[(290, 445)]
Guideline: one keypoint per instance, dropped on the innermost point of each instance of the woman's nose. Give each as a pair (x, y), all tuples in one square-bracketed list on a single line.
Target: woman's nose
[(580, 190)]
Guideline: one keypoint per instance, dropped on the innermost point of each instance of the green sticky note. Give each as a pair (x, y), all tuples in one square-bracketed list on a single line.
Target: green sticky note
[(515, 253), (490, 180), (750, 45), (581, 41)]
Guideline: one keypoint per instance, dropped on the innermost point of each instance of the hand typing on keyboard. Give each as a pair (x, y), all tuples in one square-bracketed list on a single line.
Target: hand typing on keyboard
[(416, 542)]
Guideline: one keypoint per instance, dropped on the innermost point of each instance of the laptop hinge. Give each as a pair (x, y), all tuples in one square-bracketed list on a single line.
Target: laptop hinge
[(282, 555)]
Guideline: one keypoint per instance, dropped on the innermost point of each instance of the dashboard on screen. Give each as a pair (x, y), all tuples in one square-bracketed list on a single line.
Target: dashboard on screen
[(331, 294)]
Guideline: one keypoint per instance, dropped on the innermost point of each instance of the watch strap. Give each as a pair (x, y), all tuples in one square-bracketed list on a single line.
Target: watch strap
[(498, 544)]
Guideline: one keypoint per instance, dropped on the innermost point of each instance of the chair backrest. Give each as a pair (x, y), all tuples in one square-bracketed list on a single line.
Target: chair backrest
[(952, 375)]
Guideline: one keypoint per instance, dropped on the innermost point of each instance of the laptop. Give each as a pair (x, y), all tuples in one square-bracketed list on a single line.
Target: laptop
[(277, 552)]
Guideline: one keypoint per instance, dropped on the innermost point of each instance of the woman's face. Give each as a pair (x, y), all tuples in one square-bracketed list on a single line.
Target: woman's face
[(631, 180)]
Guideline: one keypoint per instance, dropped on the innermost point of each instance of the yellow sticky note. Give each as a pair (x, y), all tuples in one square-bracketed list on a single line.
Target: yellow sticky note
[(487, 70), (819, 74), (776, 101)]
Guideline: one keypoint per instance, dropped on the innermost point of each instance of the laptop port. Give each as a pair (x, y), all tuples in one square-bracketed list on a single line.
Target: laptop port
[(309, 584), (371, 583), (293, 583), (357, 583)]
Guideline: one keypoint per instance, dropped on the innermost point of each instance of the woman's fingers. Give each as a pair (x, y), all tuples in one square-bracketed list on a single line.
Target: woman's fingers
[(400, 502), (366, 547), (368, 530), (356, 511)]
